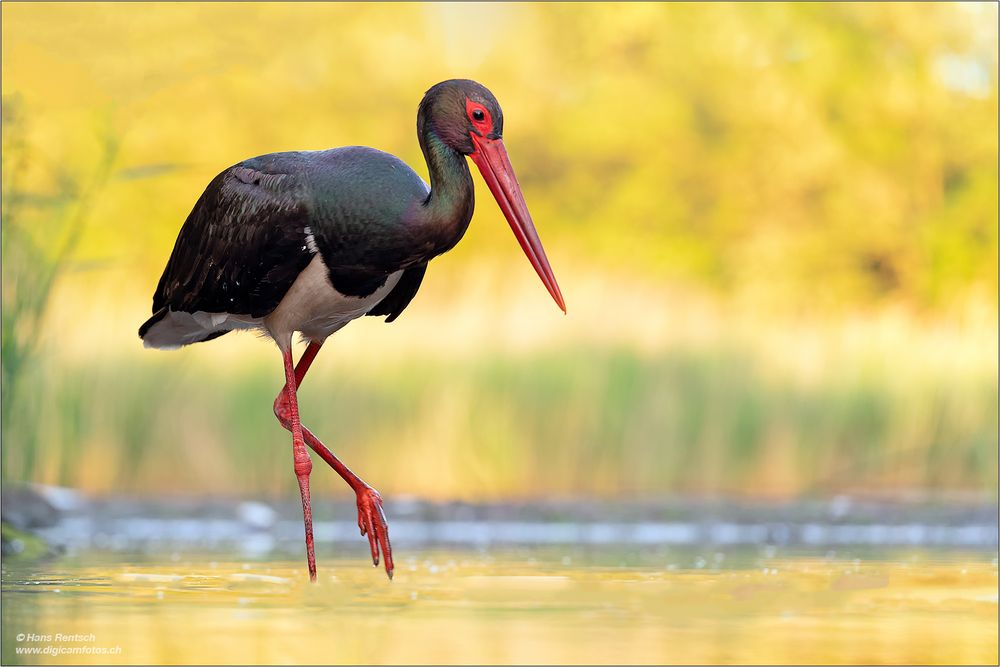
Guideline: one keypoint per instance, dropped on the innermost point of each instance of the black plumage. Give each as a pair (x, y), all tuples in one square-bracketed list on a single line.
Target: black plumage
[(401, 295), (259, 223), (241, 248)]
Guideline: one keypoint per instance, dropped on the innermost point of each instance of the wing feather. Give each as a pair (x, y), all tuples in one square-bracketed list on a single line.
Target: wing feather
[(241, 248), (399, 298)]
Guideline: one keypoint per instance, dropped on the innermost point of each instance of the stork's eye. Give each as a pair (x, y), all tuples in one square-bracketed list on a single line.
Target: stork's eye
[(479, 116)]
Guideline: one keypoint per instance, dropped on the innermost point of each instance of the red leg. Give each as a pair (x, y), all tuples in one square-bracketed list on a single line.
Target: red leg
[(303, 466), (305, 361), (371, 517)]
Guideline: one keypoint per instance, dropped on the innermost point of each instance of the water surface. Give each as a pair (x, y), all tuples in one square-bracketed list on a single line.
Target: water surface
[(518, 605)]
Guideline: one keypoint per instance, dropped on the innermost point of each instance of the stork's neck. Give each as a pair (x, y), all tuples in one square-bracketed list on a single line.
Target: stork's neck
[(448, 209)]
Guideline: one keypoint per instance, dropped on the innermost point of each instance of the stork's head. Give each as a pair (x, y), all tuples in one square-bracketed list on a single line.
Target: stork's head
[(466, 117)]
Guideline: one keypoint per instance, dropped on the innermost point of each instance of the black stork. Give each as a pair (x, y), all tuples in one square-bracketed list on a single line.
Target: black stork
[(308, 241)]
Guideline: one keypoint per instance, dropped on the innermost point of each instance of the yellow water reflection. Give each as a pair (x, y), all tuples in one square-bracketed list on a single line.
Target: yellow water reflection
[(468, 608)]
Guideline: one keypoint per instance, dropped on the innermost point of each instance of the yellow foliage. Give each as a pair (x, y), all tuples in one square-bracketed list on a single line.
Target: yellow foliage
[(829, 155)]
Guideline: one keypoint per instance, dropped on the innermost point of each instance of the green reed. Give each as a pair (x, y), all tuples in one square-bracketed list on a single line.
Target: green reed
[(588, 420)]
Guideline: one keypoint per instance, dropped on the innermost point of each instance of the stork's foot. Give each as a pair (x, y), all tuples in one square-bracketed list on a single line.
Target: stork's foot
[(371, 521)]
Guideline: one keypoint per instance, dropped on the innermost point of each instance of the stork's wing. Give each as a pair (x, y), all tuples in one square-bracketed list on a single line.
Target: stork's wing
[(241, 248), (399, 298)]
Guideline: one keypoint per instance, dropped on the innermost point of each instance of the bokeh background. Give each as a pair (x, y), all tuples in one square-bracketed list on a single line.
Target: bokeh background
[(775, 227)]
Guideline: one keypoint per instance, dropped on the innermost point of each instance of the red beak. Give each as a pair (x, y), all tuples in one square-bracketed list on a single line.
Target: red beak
[(491, 158)]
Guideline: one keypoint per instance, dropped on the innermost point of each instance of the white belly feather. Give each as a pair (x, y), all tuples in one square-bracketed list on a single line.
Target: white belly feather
[(311, 306)]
